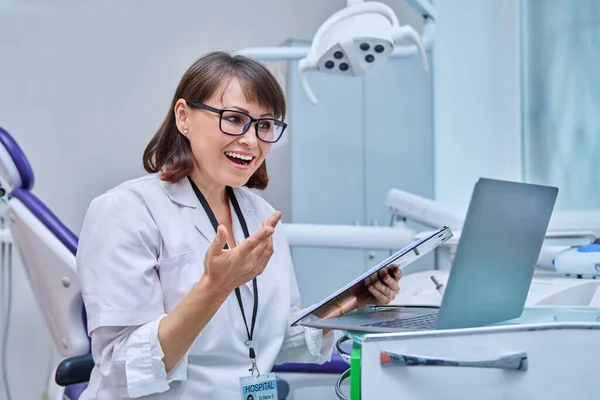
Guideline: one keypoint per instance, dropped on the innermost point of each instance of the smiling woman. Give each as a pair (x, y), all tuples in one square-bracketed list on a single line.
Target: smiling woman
[(172, 264)]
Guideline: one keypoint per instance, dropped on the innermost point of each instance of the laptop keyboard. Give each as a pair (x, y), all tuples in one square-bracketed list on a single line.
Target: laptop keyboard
[(423, 321)]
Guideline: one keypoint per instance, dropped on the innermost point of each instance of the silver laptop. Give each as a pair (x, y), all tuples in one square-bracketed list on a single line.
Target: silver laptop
[(492, 270)]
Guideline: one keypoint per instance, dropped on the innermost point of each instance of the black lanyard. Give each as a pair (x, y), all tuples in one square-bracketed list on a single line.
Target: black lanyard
[(242, 220)]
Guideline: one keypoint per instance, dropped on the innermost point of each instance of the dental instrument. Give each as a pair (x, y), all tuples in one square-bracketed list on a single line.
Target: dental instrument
[(582, 260), (438, 286)]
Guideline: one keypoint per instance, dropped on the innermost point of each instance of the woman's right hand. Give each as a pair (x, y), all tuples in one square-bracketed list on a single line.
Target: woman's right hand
[(231, 268)]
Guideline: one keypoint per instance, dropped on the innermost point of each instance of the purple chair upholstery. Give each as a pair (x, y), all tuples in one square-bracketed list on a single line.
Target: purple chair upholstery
[(73, 392), (18, 157), (46, 217), (23, 193), (336, 365), (29, 200)]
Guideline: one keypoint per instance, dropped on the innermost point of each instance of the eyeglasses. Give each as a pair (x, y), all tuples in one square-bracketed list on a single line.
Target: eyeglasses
[(236, 123)]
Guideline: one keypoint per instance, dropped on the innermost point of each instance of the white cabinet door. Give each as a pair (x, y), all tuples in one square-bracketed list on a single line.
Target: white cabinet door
[(327, 174), (398, 133), (365, 136)]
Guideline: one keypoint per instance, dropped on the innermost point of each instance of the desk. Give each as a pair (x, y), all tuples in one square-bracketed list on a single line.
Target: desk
[(550, 360)]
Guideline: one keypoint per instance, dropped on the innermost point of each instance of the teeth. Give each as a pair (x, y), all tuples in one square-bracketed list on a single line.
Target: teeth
[(240, 156)]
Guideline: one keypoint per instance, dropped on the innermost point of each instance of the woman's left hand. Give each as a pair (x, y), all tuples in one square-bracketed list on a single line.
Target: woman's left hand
[(383, 290)]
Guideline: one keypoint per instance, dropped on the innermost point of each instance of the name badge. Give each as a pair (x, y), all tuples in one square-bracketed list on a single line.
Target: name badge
[(263, 387)]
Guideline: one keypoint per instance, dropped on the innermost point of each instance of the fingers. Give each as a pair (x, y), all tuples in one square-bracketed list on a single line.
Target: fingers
[(270, 223), (272, 220), (378, 294), (267, 251), (391, 283), (391, 269), (384, 290), (266, 232), (371, 278), (219, 242), (257, 238), (396, 273)]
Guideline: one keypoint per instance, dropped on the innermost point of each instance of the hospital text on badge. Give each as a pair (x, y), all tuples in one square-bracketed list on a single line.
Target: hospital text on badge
[(259, 387)]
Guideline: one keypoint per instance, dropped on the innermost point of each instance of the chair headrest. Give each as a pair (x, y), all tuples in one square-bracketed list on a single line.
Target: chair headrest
[(15, 170), (47, 217)]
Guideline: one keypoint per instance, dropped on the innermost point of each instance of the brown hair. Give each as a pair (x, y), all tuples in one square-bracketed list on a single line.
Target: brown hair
[(169, 152)]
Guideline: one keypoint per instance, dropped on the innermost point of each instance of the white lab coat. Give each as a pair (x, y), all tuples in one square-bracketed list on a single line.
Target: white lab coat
[(141, 250)]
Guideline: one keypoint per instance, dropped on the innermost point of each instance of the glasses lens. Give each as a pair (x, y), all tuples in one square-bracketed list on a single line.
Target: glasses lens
[(269, 130), (234, 123)]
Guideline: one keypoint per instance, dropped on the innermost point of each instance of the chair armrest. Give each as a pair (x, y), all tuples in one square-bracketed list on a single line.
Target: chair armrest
[(336, 365), (74, 370), (78, 369)]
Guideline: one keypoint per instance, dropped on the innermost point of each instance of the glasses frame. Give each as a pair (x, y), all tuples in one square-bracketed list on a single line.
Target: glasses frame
[(253, 121)]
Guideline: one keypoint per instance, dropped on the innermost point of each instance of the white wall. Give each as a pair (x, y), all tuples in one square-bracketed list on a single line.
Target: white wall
[(476, 96), (83, 86)]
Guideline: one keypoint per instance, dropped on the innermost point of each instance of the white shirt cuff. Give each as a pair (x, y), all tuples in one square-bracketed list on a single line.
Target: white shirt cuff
[(144, 366)]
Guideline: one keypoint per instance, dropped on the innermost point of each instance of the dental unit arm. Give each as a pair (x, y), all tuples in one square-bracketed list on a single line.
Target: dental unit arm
[(427, 212), (564, 252)]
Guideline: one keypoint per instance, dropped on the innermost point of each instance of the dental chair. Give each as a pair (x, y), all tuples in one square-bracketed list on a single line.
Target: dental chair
[(47, 248)]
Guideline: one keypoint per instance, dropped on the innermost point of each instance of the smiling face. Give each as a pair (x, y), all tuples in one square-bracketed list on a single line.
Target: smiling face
[(191, 142), (221, 159)]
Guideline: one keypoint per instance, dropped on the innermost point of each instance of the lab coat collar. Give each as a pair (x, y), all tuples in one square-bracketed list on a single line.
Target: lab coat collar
[(182, 193)]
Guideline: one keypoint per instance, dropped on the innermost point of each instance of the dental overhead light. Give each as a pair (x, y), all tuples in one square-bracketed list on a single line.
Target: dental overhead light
[(357, 39)]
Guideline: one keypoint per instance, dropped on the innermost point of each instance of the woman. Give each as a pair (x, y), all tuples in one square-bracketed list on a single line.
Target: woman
[(172, 313)]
